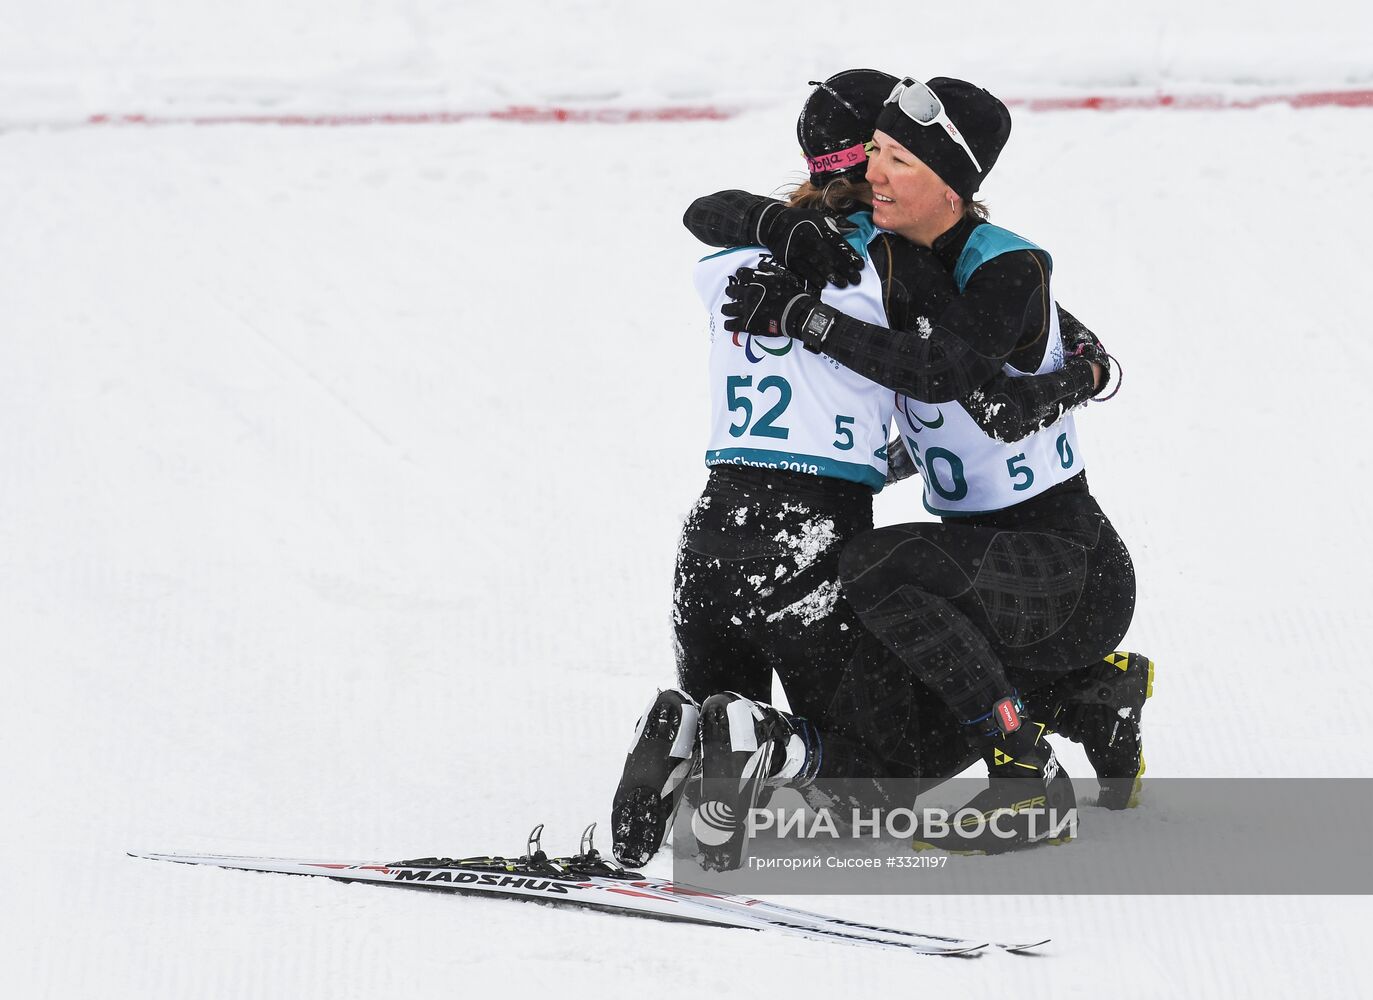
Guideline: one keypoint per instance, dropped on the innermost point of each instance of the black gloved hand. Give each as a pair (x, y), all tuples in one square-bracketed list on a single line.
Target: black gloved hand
[(809, 242), (1080, 342), (770, 301), (900, 464)]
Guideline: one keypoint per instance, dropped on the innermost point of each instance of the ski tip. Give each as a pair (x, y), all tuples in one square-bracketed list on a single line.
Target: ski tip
[(968, 951), (1020, 949), (154, 856)]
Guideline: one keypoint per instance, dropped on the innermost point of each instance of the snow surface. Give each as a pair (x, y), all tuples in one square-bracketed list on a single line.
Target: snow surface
[(343, 471), (68, 58)]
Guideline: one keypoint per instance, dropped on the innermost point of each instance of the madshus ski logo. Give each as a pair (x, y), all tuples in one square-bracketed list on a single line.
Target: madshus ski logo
[(435, 876)]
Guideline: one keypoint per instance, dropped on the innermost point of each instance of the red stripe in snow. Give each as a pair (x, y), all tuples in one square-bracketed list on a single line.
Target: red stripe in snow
[(554, 114)]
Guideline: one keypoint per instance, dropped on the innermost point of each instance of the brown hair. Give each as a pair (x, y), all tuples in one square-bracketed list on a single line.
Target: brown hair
[(843, 194)]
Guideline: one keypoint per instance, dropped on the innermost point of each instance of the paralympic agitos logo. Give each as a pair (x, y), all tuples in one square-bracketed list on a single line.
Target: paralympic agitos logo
[(903, 403), (430, 877), (749, 344)]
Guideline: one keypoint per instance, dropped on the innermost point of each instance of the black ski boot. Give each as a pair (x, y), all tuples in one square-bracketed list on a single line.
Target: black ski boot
[(660, 761), (1100, 708), (747, 749), (1028, 800)]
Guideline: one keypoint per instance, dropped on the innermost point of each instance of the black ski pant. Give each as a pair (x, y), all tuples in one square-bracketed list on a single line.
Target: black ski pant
[(757, 590), (984, 607)]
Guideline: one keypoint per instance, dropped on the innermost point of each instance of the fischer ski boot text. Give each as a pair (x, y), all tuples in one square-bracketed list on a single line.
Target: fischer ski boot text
[(1028, 800)]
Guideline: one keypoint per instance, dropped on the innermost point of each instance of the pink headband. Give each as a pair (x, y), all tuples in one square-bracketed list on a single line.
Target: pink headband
[(841, 160)]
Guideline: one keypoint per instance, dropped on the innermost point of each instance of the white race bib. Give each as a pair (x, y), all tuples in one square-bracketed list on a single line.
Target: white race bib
[(776, 405)]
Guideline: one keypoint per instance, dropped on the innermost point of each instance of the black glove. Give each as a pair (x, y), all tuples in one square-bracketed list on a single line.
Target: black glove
[(770, 301), (809, 242), (1080, 342), (900, 464)]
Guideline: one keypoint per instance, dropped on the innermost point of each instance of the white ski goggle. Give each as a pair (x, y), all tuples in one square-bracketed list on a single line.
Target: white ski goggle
[(922, 105)]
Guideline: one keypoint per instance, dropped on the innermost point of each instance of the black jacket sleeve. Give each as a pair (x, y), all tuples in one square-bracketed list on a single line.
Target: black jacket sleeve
[(1009, 409), (942, 345), (726, 218)]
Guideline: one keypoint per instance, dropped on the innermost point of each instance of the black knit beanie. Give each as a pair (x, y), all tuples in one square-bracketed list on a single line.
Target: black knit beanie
[(838, 120), (981, 118)]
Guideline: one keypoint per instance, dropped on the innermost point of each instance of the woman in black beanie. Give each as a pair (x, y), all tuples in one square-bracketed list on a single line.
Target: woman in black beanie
[(998, 608)]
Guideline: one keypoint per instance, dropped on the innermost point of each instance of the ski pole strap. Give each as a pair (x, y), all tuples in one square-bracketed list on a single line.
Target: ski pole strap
[(1120, 380)]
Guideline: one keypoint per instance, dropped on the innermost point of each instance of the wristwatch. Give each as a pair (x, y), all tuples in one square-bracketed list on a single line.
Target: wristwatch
[(817, 327)]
